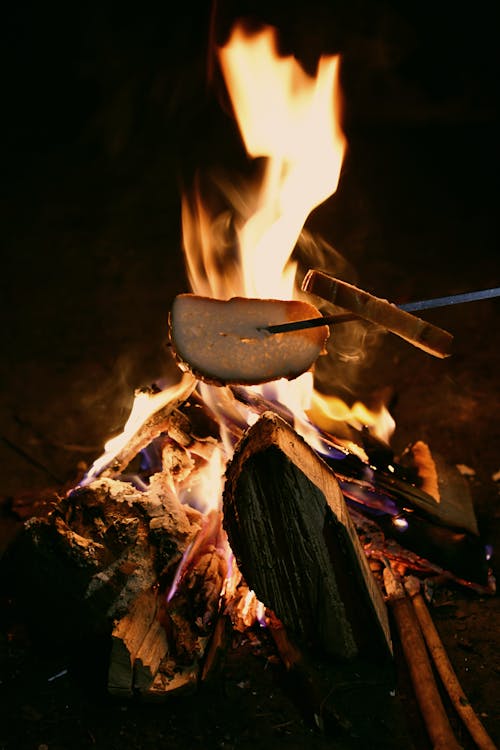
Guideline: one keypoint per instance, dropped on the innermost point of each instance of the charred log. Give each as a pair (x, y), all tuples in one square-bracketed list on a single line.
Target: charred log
[(296, 546), (97, 551)]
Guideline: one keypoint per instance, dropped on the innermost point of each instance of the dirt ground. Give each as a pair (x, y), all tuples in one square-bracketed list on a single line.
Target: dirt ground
[(107, 114)]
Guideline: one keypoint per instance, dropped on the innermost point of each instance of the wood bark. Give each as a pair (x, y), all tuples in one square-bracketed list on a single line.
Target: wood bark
[(296, 546)]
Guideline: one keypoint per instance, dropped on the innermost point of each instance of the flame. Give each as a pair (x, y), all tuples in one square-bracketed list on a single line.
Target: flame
[(291, 118), (203, 490), (325, 411), (145, 404)]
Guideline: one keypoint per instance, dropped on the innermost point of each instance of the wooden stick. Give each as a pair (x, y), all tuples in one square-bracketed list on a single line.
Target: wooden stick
[(417, 659), (445, 669), (414, 330), (219, 644)]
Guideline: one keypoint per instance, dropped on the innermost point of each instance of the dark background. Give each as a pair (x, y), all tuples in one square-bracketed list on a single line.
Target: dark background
[(107, 112)]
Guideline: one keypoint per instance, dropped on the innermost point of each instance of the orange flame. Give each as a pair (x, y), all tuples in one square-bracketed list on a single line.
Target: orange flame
[(288, 116), (292, 119)]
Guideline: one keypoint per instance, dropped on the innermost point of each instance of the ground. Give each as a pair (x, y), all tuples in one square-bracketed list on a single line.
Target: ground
[(104, 120)]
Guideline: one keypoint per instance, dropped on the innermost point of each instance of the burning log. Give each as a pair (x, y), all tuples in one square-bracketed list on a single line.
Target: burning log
[(99, 552), (148, 429), (295, 543), (184, 625)]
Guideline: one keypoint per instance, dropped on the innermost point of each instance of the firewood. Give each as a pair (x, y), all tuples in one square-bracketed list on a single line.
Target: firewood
[(172, 680), (418, 332), (127, 638), (219, 644), (190, 612), (153, 426), (419, 666), (445, 669), (296, 546), (149, 656)]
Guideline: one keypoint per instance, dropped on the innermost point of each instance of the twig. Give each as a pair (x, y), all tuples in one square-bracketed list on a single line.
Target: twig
[(314, 694), (419, 666), (445, 669)]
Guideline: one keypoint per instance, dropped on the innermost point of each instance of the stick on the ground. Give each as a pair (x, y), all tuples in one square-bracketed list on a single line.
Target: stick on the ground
[(422, 678), (446, 671)]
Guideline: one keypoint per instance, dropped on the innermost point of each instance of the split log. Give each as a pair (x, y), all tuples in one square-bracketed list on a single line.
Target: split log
[(296, 545), (149, 656), (418, 332), (99, 549), (127, 638)]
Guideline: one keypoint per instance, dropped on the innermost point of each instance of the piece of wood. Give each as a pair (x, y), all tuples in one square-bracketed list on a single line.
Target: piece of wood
[(152, 650), (127, 637), (148, 430), (296, 546), (416, 331), (191, 608), (217, 649), (419, 666), (445, 669), (173, 680)]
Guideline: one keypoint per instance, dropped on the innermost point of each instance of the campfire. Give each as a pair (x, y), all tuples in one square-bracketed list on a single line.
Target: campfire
[(241, 495)]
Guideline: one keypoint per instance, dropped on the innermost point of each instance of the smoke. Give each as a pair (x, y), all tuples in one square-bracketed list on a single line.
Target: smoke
[(352, 347)]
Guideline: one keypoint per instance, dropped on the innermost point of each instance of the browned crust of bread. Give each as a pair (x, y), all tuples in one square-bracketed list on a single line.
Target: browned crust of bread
[(418, 332), (291, 310)]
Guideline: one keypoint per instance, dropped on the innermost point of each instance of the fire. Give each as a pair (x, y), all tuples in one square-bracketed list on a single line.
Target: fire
[(145, 404), (292, 120), (325, 411)]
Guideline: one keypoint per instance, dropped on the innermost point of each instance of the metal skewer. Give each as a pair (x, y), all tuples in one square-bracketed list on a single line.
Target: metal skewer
[(427, 304)]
